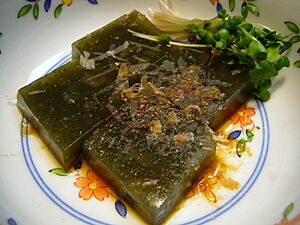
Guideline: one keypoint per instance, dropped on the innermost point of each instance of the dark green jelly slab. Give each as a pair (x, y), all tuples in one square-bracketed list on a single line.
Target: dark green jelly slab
[(234, 84), (114, 34), (66, 105), (150, 172), (152, 167)]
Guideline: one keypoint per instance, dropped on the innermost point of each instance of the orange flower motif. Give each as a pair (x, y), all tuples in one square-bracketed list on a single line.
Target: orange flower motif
[(293, 221), (243, 116), (213, 2), (91, 185)]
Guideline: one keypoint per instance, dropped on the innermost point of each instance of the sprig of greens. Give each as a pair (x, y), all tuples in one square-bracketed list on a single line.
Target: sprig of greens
[(256, 46), (261, 49)]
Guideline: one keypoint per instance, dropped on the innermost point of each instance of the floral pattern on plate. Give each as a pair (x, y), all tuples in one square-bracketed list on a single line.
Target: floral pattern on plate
[(90, 185), (34, 6), (293, 220), (233, 135)]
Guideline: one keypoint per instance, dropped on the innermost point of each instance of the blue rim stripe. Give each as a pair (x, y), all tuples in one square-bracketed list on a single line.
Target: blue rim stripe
[(61, 62), (88, 220), (36, 176)]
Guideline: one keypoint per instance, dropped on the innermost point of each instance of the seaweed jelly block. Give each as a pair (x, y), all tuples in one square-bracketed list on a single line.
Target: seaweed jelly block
[(66, 105), (154, 146), (139, 108), (114, 34), (150, 172)]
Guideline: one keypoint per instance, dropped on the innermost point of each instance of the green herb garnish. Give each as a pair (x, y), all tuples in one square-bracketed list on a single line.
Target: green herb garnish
[(164, 38), (254, 45), (259, 48)]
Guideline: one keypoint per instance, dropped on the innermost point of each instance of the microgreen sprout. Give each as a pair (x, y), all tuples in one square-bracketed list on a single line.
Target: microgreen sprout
[(256, 46), (165, 38), (259, 48)]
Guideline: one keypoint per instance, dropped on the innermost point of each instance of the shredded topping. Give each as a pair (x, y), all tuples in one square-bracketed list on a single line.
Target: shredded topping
[(89, 63), (133, 91), (155, 89), (123, 71), (184, 138), (155, 127), (156, 94), (172, 118)]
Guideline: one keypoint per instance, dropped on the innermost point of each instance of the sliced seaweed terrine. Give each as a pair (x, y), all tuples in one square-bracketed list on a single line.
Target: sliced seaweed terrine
[(66, 105), (139, 111), (157, 143)]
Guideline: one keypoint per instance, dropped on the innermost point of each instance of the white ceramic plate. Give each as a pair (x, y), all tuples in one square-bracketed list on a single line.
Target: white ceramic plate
[(29, 194)]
